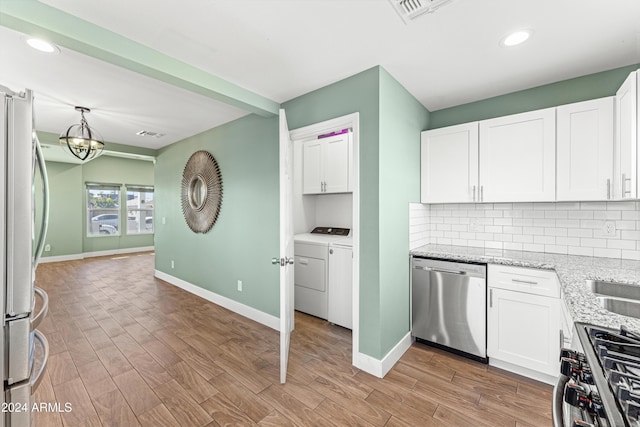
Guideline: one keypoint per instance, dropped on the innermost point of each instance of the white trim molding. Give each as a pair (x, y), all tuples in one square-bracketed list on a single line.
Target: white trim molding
[(244, 310), (379, 368), (74, 257)]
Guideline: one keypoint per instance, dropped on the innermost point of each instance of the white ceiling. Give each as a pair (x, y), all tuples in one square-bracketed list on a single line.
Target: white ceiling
[(281, 49)]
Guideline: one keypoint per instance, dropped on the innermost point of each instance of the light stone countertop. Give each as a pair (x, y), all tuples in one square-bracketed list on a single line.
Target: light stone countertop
[(573, 272)]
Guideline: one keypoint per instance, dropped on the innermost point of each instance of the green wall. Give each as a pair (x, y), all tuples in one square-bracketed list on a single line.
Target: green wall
[(246, 235), (402, 118), (359, 93), (563, 92), (67, 214)]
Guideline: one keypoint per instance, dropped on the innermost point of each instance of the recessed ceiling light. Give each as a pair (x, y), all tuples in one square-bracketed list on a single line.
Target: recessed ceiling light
[(516, 38), (42, 45)]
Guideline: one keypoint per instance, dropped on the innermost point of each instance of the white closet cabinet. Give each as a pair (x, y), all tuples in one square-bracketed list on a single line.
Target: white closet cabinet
[(340, 286), (517, 157), (585, 150), (626, 142), (449, 164), (326, 165), (524, 320)]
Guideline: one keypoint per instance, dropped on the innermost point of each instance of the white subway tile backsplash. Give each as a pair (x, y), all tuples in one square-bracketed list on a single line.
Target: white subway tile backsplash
[(575, 228), (555, 249), (580, 215), (593, 206), (580, 232), (524, 238), (580, 250), (622, 206), (607, 253), (544, 240), (631, 254), (607, 215), (621, 244)]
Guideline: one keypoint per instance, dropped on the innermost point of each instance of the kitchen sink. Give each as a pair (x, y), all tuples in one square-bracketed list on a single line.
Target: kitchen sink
[(616, 290), (625, 307)]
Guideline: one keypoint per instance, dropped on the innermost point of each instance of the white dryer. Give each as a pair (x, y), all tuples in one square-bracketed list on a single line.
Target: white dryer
[(311, 253)]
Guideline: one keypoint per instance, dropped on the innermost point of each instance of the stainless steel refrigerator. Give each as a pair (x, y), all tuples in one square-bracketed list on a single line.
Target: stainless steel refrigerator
[(21, 163)]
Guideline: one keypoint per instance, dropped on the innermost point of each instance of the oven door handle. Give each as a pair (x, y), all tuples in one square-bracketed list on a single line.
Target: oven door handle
[(558, 400)]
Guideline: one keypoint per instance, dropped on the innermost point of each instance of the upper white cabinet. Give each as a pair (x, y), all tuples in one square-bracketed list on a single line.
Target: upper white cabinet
[(517, 157), (626, 143), (449, 159), (326, 165), (585, 150)]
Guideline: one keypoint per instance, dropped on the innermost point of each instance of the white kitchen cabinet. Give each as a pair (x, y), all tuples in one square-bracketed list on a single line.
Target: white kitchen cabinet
[(340, 286), (626, 142), (524, 321), (585, 150), (449, 164), (517, 157), (326, 165)]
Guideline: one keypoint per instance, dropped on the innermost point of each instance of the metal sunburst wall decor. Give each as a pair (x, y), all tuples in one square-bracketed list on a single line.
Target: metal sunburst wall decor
[(201, 191)]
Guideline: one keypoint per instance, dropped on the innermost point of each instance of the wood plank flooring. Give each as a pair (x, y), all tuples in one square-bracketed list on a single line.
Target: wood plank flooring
[(128, 349)]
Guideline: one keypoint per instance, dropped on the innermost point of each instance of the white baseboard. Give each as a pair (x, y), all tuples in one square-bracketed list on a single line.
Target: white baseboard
[(239, 308), (525, 372), (379, 368), (84, 255)]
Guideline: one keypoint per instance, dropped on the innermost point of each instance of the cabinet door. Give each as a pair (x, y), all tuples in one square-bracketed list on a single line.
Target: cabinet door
[(585, 150), (449, 164), (625, 174), (517, 157), (340, 288), (312, 167), (524, 329), (336, 164)]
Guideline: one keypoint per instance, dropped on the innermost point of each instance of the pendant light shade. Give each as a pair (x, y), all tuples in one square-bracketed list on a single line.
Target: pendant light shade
[(82, 142)]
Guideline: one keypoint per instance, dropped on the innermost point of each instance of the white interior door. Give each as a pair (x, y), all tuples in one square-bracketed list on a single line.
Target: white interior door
[(286, 244)]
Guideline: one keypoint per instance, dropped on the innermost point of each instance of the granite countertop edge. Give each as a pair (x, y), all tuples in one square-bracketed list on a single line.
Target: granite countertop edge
[(573, 272)]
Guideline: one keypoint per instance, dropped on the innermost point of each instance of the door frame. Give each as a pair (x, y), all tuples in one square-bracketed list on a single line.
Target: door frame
[(348, 121)]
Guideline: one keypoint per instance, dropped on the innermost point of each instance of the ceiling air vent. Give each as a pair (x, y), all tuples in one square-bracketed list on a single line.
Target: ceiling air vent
[(411, 9), (149, 133)]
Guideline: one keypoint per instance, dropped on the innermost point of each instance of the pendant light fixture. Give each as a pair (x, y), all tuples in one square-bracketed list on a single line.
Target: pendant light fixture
[(82, 141)]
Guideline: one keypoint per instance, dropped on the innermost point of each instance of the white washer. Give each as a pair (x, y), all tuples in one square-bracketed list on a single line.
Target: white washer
[(311, 253)]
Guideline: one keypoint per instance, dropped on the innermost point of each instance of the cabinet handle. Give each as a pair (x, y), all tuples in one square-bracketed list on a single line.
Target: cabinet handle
[(331, 251), (608, 189), (474, 193), (624, 185), (526, 282), (561, 338), (482, 193), (490, 298)]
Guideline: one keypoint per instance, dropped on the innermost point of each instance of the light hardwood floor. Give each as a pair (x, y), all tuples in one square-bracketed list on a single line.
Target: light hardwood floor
[(128, 349)]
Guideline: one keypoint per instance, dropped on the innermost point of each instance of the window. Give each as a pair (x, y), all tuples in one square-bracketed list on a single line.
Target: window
[(139, 209), (103, 209)]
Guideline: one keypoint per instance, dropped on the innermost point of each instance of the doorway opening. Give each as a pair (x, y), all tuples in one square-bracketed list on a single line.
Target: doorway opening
[(326, 198)]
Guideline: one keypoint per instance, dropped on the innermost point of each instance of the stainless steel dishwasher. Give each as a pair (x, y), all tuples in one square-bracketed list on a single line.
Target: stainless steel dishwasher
[(449, 306)]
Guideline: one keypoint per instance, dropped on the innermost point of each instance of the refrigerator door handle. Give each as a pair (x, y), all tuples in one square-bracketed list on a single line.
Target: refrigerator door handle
[(38, 318), (45, 200), (35, 381)]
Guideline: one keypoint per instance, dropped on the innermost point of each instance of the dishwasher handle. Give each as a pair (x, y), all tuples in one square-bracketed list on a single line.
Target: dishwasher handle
[(441, 270)]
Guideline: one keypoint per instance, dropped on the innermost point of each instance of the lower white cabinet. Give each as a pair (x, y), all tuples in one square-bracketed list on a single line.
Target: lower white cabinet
[(523, 327), (340, 289)]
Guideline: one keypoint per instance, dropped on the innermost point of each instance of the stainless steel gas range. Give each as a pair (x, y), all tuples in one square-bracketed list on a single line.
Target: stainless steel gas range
[(599, 383)]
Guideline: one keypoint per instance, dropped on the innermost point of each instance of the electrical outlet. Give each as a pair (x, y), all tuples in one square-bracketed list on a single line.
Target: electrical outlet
[(240, 285), (164, 220), (47, 248), (609, 228), (173, 265)]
